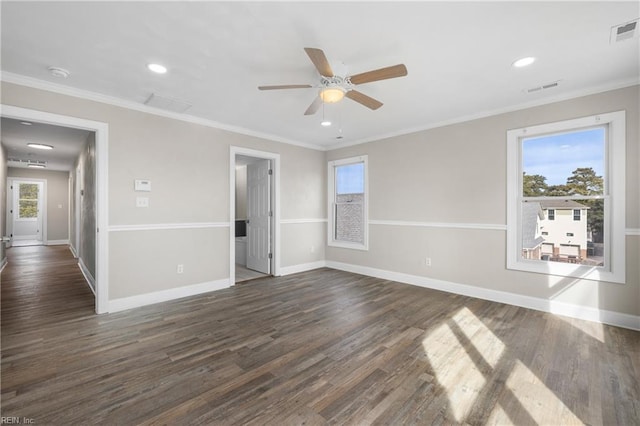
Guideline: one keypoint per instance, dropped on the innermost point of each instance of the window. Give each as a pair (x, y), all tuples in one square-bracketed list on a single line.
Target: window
[(348, 218), (566, 169), (27, 201)]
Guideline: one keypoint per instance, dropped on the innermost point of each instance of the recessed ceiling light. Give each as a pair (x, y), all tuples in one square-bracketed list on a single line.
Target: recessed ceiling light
[(523, 62), (325, 123), (39, 146), (26, 123), (36, 166), (157, 68)]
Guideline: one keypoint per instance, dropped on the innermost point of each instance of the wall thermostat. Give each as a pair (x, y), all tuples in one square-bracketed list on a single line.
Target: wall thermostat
[(142, 185)]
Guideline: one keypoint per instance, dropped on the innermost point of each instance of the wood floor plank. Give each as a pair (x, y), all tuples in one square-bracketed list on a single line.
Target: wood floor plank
[(317, 348)]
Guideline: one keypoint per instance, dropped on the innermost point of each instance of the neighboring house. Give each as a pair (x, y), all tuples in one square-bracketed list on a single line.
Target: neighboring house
[(532, 216), (564, 229)]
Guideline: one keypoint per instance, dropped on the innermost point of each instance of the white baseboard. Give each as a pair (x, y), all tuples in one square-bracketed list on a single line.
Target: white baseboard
[(560, 308), (57, 242), (125, 303), (3, 263), (87, 276), (73, 251), (303, 267)]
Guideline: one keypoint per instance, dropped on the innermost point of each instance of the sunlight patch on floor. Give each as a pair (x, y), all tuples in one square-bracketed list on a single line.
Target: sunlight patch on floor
[(460, 352), (537, 399)]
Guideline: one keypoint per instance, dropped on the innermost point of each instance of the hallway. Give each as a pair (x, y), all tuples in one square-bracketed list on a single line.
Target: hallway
[(41, 285)]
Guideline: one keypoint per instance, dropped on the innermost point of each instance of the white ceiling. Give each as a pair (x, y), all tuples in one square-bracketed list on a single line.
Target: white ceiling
[(458, 57), (67, 143)]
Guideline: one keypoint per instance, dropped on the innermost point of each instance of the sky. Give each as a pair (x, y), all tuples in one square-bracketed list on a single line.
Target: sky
[(557, 156), (350, 179)]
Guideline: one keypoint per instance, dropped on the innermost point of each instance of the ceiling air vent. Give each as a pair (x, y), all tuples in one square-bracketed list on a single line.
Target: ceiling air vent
[(167, 104), (542, 87), (625, 31)]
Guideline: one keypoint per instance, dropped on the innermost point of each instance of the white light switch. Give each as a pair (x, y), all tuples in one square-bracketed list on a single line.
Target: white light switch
[(142, 202), (142, 185)]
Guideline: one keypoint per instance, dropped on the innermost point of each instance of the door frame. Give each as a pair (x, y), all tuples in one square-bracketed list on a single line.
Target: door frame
[(275, 201), (102, 187), (42, 204)]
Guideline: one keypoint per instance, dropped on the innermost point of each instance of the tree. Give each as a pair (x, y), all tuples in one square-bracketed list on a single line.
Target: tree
[(533, 185), (584, 181)]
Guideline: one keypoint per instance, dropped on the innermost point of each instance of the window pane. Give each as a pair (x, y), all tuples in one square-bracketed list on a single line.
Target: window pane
[(565, 238), (28, 209), (564, 164), (350, 179), (349, 218), (29, 191)]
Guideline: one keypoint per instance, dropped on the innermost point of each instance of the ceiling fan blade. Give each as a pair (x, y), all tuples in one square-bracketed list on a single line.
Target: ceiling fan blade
[(314, 107), (380, 74), (285, 86), (363, 99), (320, 61)]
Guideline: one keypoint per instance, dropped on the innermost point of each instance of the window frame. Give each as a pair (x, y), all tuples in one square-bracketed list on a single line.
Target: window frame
[(18, 217), (331, 203), (614, 196), (577, 217)]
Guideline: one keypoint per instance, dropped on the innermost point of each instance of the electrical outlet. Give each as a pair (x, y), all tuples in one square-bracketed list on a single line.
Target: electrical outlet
[(180, 269), (427, 261)]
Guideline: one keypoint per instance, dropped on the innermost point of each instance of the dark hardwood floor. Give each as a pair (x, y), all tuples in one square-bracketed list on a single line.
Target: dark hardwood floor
[(322, 347)]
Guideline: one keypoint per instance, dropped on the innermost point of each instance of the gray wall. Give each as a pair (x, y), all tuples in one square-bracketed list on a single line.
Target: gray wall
[(189, 185), (87, 164), (458, 170), (241, 192), (3, 198), (457, 174), (57, 199)]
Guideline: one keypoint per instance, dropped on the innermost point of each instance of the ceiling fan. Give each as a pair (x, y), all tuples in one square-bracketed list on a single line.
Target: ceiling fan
[(333, 87)]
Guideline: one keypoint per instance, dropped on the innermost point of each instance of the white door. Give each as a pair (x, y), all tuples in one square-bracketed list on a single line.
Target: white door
[(258, 216), (26, 210)]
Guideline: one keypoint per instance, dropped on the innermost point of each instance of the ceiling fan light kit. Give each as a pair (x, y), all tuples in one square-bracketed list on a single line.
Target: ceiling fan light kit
[(333, 87), (331, 95)]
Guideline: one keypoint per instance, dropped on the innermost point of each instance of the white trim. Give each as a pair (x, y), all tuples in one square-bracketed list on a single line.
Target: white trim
[(615, 253), (73, 251), (22, 80), (102, 185), (43, 201), (139, 300), (3, 263), (87, 276), (447, 225), (551, 306), (162, 226), (57, 242), (122, 103), (303, 267), (331, 202), (490, 113), (633, 231), (275, 157), (310, 220)]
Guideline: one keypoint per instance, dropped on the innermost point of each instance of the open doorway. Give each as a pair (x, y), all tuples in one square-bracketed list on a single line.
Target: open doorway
[(93, 190), (254, 234)]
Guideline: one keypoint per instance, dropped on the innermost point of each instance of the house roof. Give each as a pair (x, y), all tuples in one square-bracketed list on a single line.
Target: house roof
[(531, 212), (561, 204)]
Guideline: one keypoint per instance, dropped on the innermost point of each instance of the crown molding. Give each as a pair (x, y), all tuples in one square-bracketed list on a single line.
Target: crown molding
[(492, 112), (34, 83)]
